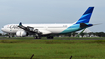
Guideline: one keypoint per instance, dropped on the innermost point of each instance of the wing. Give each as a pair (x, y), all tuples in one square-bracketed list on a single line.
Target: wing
[(33, 30), (28, 28)]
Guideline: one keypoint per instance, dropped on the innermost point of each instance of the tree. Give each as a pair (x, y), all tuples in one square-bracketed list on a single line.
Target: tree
[(90, 33), (82, 34), (100, 34), (73, 33), (69, 34), (0, 34)]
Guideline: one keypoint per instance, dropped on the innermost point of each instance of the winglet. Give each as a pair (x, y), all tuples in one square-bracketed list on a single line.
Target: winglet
[(20, 24), (86, 16)]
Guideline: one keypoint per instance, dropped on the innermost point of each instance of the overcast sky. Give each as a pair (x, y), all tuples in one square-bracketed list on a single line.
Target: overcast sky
[(51, 11)]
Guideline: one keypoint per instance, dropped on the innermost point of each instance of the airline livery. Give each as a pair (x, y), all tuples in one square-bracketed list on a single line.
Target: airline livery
[(39, 30)]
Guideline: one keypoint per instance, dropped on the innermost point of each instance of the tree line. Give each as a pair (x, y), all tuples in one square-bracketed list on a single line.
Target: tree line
[(94, 34), (75, 34)]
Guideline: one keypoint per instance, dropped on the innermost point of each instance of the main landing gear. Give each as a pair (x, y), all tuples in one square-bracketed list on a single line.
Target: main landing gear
[(38, 36)]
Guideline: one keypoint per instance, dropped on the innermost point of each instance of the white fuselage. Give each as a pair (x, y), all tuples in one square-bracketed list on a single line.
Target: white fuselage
[(52, 28)]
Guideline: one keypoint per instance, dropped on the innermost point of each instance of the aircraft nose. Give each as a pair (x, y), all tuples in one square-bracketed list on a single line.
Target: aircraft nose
[(2, 29)]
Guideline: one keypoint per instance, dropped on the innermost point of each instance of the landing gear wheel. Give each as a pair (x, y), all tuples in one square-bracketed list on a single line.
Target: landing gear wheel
[(38, 36)]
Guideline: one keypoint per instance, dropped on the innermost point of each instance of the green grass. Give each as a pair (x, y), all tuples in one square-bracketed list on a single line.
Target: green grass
[(59, 48)]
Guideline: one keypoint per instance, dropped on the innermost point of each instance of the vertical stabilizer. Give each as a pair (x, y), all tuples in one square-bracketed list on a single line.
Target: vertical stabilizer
[(86, 16)]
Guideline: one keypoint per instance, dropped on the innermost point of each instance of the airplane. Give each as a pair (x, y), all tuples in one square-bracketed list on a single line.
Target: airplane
[(48, 30)]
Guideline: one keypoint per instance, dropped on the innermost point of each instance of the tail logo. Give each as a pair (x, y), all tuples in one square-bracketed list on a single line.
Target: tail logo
[(86, 16)]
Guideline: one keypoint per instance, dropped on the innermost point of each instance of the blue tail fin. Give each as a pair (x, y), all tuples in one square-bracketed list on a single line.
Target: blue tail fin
[(86, 16)]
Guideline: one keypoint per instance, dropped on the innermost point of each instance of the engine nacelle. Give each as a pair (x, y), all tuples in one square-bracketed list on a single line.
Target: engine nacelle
[(21, 33)]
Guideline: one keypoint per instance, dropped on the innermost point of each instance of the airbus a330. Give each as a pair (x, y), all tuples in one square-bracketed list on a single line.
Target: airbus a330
[(39, 30)]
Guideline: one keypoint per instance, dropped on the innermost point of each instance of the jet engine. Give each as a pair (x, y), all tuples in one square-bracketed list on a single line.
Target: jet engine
[(21, 33)]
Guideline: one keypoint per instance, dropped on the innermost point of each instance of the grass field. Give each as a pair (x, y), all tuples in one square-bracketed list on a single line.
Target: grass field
[(58, 48)]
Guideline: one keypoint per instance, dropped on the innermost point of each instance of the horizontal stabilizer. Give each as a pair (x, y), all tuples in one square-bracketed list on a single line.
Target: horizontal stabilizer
[(97, 24)]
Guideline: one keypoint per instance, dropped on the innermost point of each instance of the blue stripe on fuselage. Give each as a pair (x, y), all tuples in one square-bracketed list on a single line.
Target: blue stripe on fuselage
[(75, 27)]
